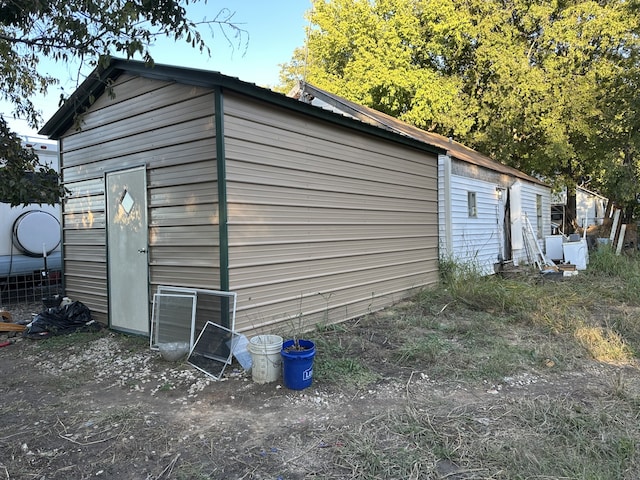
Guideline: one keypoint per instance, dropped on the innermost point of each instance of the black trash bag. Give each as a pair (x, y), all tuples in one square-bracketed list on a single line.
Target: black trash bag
[(73, 317)]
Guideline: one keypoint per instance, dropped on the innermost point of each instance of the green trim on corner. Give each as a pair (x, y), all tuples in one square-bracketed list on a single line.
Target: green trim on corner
[(223, 232)]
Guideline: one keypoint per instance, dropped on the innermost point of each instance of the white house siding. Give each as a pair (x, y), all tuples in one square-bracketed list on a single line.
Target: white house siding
[(445, 241), (477, 242), (169, 128), (590, 208), (529, 193), (323, 222)]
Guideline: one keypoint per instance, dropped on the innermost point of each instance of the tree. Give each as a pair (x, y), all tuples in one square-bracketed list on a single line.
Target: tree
[(536, 85), (622, 164), (88, 33), (376, 53), (23, 179)]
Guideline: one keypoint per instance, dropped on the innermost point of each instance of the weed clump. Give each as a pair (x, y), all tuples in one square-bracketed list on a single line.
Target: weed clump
[(610, 288)]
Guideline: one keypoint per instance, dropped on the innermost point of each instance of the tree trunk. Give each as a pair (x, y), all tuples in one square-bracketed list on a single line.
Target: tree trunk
[(571, 222)]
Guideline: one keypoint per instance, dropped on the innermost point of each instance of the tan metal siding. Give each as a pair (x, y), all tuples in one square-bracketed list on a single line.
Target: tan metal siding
[(190, 276), (184, 215), (87, 270), (324, 223), (126, 88), (87, 253), (93, 237), (84, 219), (253, 253), (177, 247), (79, 283), (83, 188), (111, 140), (200, 176), (203, 256), (89, 203), (169, 128), (298, 214), (305, 309), (147, 98), (264, 193), (291, 233), (87, 281), (344, 165), (198, 235), (317, 181), (163, 155), (181, 195)]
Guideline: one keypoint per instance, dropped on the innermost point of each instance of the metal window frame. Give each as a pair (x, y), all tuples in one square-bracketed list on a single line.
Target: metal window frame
[(153, 337), (231, 295), (211, 355)]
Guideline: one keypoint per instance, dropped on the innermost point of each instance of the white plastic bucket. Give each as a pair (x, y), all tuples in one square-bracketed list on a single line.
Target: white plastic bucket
[(266, 361)]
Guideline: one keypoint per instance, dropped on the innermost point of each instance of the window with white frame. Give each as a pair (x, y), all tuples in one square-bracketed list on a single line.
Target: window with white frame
[(472, 205)]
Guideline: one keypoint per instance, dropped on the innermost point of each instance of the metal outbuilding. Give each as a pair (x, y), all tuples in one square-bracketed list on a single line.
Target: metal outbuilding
[(484, 206), (190, 178)]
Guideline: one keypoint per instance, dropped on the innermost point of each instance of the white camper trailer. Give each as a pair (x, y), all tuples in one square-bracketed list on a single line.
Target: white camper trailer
[(30, 236)]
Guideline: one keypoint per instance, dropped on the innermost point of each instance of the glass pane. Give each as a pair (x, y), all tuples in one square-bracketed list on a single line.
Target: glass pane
[(127, 202)]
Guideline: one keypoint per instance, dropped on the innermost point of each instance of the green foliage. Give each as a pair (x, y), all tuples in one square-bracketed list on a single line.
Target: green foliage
[(86, 33), (447, 268), (336, 366), (467, 285), (546, 87), (424, 350), (374, 53), (23, 178), (604, 261), (623, 271), (621, 184)]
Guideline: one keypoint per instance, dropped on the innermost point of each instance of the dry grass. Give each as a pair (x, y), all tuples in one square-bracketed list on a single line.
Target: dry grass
[(542, 437), (477, 329), (604, 344)]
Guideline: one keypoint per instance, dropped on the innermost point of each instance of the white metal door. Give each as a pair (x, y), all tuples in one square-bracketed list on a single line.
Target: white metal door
[(127, 250)]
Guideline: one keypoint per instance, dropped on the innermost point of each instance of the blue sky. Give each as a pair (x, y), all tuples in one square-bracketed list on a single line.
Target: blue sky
[(275, 28)]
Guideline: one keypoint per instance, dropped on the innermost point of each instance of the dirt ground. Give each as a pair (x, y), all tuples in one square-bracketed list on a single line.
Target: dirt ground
[(106, 406)]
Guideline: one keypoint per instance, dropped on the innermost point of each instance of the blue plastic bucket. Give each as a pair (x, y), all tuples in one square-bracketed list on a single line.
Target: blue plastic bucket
[(297, 365)]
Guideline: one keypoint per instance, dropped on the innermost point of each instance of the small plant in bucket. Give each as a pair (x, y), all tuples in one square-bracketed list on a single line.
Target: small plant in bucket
[(297, 363), (297, 345)]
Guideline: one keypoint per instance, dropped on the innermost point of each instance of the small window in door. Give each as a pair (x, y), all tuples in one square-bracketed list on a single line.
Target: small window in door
[(471, 203), (126, 201)]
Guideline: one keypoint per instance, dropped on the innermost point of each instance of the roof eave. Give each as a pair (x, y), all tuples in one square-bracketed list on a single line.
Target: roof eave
[(374, 117), (96, 83)]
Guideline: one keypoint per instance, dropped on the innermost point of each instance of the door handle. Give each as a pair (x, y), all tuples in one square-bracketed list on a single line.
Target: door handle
[(142, 250)]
